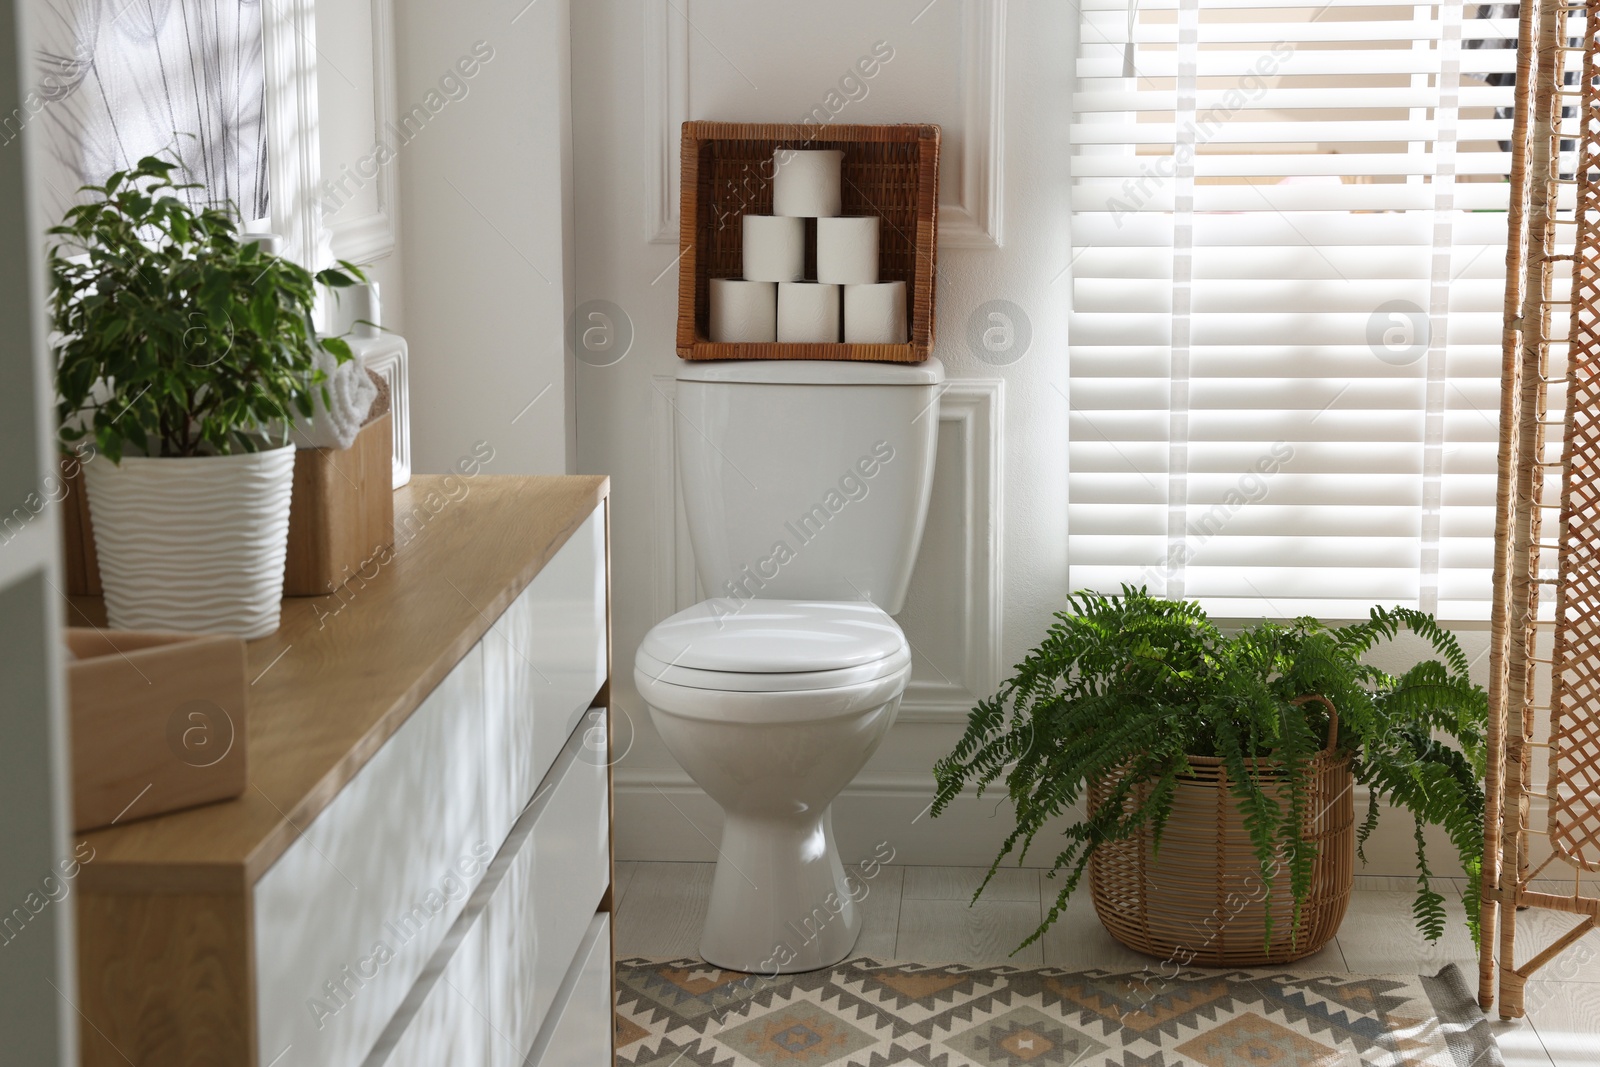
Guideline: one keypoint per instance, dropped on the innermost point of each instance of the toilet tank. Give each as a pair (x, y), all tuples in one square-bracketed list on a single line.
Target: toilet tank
[(807, 479)]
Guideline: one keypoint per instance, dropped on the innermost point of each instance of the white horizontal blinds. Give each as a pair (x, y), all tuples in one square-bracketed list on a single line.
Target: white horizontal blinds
[(1441, 319), (1289, 228)]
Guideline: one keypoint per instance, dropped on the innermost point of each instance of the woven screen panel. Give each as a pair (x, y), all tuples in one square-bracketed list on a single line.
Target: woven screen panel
[(1575, 671)]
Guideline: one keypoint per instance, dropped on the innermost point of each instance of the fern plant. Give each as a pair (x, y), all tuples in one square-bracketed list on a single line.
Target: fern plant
[(1124, 689)]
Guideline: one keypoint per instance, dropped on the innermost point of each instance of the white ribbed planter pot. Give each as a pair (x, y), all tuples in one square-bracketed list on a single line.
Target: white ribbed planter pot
[(193, 544)]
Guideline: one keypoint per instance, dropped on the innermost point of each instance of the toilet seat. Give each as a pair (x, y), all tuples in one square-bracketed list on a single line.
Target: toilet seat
[(770, 708), (793, 637), (757, 682), (805, 659)]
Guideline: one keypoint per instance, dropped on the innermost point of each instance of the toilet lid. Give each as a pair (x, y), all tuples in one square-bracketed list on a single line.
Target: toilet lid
[(775, 636)]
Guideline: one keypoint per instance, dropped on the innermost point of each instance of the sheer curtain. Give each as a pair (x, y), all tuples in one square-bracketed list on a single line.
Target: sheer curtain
[(115, 80)]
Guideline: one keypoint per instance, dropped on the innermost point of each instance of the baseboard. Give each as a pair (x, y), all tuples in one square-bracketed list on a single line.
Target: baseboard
[(662, 815)]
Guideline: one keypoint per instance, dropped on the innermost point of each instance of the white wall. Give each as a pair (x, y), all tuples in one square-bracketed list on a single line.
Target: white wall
[(486, 229), (444, 143), (996, 77)]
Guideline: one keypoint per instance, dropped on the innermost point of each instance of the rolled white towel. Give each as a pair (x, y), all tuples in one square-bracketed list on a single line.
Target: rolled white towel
[(351, 392)]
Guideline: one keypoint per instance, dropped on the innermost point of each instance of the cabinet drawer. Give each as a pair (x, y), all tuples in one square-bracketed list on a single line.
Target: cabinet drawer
[(541, 909), (347, 918), (544, 660), (579, 1031), (447, 1010)]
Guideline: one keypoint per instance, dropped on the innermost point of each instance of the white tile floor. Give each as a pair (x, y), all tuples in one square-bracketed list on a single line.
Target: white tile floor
[(922, 913)]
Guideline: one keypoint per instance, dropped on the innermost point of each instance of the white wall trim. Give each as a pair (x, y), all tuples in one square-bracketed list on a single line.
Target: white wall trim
[(663, 815), (675, 581), (289, 56), (974, 220), (676, 781), (666, 79), (892, 806), (976, 406), (663, 495), (363, 238)]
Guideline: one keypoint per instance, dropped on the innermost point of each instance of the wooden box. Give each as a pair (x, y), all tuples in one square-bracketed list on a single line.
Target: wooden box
[(889, 171), (78, 559), (342, 512), (158, 722)]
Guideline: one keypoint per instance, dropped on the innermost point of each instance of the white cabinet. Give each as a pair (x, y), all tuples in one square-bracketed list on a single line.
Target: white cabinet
[(348, 917), (552, 885), (430, 914), (578, 1032), (495, 982), (425, 838), (447, 1012), (544, 660)]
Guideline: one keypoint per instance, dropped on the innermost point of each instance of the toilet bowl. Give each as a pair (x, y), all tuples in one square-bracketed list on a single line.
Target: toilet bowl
[(805, 489), (772, 707)]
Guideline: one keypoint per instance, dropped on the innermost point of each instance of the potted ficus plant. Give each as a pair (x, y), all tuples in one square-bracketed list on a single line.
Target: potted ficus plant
[(185, 352), (1205, 779)]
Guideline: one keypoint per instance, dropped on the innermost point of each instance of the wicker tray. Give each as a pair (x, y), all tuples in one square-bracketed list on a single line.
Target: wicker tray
[(889, 171)]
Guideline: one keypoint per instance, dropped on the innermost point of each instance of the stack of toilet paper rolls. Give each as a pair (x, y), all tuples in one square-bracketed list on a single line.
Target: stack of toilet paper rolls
[(774, 301)]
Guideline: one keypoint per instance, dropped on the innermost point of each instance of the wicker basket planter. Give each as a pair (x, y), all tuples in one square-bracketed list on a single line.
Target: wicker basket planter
[(889, 171), (1201, 900)]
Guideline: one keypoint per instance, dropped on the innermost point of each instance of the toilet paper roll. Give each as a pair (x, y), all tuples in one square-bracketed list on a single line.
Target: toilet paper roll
[(774, 248), (875, 314), (847, 251), (743, 311), (808, 312), (806, 184)]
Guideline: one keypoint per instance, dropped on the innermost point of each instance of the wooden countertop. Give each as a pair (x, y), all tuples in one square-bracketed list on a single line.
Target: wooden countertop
[(344, 671)]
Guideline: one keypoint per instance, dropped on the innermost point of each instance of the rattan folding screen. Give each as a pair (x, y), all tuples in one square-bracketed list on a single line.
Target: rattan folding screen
[(1545, 667)]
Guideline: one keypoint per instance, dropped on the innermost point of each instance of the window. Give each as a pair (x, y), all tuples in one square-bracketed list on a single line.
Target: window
[(1289, 230), (184, 80)]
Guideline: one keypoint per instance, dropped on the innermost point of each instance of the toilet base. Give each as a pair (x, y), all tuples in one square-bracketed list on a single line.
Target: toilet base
[(781, 901)]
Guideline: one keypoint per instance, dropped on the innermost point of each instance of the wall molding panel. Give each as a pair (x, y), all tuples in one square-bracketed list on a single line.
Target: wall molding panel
[(666, 77), (978, 220), (974, 219), (676, 585), (976, 407), (363, 238)]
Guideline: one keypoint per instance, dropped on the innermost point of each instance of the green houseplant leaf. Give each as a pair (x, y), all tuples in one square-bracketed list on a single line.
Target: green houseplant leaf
[(175, 334), (1127, 688)]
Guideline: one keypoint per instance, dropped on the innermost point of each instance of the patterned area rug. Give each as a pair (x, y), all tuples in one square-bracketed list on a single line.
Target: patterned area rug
[(869, 1013)]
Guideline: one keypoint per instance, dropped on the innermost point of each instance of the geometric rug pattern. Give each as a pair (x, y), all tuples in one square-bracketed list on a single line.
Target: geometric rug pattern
[(871, 1013)]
